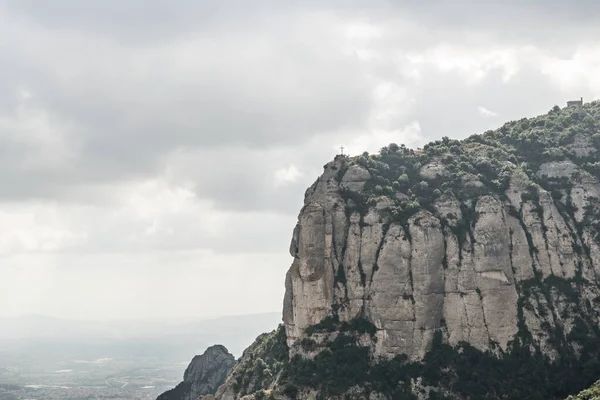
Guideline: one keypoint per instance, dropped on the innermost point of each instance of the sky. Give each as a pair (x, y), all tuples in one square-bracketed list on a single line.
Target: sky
[(154, 154)]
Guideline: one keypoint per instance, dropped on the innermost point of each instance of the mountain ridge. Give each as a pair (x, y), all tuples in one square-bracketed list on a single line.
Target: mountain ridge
[(464, 270)]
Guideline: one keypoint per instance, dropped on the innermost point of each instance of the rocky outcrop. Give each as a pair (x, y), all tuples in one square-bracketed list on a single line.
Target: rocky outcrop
[(415, 278), (203, 376)]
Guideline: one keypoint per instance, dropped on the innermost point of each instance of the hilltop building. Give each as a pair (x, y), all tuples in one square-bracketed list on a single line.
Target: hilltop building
[(575, 103)]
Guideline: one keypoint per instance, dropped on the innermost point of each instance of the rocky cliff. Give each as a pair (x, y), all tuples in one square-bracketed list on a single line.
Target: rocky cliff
[(466, 269), (203, 376), (471, 244), (475, 282)]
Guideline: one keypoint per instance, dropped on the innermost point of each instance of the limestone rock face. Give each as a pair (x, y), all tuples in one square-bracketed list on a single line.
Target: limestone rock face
[(465, 276), (203, 376), (318, 236), (355, 178), (433, 170)]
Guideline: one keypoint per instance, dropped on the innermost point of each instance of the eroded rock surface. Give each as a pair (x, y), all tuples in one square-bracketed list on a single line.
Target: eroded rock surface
[(413, 279)]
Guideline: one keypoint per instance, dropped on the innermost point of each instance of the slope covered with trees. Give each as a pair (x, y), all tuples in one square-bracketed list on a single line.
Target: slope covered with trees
[(592, 393)]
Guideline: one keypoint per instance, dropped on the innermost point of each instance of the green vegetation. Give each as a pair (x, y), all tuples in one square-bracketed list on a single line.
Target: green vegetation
[(330, 323), (262, 362), (592, 393), (344, 363), (480, 164)]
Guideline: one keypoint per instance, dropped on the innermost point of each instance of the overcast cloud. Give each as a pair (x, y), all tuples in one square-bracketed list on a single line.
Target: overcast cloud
[(154, 154)]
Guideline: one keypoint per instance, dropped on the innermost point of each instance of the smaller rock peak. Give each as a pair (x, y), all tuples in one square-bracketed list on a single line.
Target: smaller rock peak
[(204, 375), (217, 348), (213, 356)]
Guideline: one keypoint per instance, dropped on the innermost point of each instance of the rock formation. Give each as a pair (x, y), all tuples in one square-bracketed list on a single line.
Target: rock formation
[(413, 279), (412, 269), (203, 376)]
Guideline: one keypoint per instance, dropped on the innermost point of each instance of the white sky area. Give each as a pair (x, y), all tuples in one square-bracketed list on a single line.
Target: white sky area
[(154, 154)]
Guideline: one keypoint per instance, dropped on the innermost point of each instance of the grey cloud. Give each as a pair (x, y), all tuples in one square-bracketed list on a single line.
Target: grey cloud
[(526, 94), (246, 180), (238, 233), (255, 88), (553, 24), (138, 21), (130, 84), (219, 95)]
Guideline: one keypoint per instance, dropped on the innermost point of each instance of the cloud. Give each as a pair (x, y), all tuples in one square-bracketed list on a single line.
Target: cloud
[(35, 228), (146, 216), (153, 148), (287, 174), (373, 141), (549, 24), (152, 285), (576, 73), (124, 106), (485, 112), (110, 96)]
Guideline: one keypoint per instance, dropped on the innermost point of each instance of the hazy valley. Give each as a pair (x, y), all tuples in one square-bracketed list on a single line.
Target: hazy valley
[(45, 358)]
